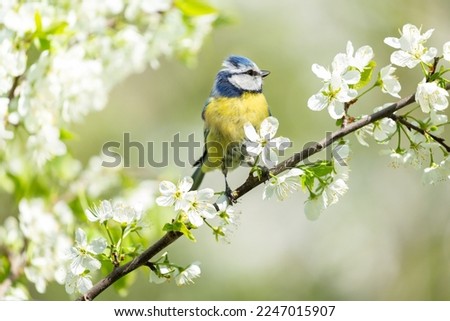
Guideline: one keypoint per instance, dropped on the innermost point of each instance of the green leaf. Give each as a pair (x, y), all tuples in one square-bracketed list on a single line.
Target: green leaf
[(168, 227), (195, 7), (224, 20), (307, 181), (319, 169), (5, 268), (38, 21), (44, 44), (66, 134), (366, 75), (179, 227), (57, 28)]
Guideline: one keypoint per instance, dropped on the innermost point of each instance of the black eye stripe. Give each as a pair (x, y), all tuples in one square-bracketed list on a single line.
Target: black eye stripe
[(250, 72)]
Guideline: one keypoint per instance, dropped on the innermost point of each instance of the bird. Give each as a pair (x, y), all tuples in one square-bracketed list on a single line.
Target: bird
[(235, 99)]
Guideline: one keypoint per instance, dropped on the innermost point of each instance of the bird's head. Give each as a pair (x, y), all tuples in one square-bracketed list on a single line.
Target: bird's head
[(239, 74)]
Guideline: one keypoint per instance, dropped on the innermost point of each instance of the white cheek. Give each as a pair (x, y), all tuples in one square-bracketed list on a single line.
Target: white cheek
[(246, 82)]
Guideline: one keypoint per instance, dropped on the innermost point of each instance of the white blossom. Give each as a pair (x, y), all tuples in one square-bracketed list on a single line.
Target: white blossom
[(282, 185), (446, 51), (173, 195), (198, 205), (126, 214), (411, 44), (75, 283), (431, 97), (437, 173), (225, 210), (389, 82), (361, 58), (397, 157), (188, 275), (335, 91), (384, 129), (335, 190), (50, 242), (46, 144), (100, 213), (82, 255), (12, 61), (361, 134), (315, 206), (265, 143), (16, 293)]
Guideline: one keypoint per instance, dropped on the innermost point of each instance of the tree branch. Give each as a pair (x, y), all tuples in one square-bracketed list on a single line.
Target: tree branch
[(248, 185)]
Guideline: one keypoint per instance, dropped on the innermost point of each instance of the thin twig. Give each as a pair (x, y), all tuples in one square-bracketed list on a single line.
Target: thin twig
[(437, 139), (13, 87)]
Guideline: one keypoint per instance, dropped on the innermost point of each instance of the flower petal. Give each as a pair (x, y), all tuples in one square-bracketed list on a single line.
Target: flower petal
[(186, 184), (314, 207), (165, 200), (393, 42), (446, 50), (195, 218), (205, 194), (282, 143), (253, 149), (250, 133), (318, 102), (97, 246), (321, 72), (336, 109), (167, 187), (269, 157), (80, 237), (269, 127)]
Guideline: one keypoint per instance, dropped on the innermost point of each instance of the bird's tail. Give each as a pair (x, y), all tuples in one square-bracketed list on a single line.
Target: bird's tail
[(197, 178)]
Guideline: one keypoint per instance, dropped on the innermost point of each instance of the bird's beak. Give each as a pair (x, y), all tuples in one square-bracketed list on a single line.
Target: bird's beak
[(264, 73)]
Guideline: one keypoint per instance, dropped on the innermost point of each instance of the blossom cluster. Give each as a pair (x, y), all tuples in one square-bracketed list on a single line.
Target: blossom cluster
[(351, 72), (83, 50), (58, 62), (84, 258), (36, 242), (195, 207)]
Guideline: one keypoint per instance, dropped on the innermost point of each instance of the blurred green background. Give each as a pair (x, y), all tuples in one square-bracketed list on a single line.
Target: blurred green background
[(387, 239)]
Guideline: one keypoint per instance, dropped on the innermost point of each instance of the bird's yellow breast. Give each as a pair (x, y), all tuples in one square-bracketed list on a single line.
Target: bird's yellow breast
[(225, 117)]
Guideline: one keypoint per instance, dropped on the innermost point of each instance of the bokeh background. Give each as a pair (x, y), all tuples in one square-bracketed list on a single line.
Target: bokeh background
[(388, 238)]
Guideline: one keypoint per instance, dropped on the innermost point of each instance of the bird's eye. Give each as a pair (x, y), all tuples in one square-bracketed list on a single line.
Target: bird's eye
[(251, 72)]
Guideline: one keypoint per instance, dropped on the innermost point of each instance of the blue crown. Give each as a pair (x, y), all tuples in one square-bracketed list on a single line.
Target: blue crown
[(238, 62)]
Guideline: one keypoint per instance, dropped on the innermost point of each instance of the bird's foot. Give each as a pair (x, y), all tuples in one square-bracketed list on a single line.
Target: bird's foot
[(229, 195)]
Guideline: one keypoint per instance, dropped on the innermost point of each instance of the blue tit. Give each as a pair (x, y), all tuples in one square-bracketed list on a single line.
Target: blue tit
[(235, 99)]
